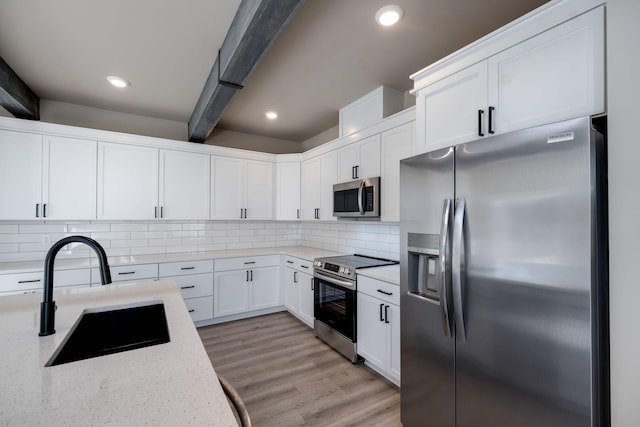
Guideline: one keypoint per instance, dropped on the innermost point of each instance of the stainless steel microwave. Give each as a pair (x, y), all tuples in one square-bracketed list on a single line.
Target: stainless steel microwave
[(357, 199)]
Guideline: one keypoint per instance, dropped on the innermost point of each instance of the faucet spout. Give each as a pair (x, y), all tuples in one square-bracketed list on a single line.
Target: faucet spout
[(48, 306)]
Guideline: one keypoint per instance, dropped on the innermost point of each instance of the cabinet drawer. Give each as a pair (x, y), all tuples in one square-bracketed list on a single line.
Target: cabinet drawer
[(246, 262), (194, 285), (23, 282), (299, 264), (128, 273), (384, 291), (185, 267), (200, 308)]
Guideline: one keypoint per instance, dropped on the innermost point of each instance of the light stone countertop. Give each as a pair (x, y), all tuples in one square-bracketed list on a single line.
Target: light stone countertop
[(167, 384), (303, 252), (387, 273)]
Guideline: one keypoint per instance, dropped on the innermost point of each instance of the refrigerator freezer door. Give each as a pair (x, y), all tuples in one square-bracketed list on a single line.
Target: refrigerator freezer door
[(526, 301), (427, 355)]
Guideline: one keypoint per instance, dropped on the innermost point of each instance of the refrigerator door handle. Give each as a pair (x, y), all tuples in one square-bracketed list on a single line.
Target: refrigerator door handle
[(457, 268), (443, 284)]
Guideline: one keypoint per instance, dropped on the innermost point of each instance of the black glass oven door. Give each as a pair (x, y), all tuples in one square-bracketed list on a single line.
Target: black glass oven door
[(335, 306)]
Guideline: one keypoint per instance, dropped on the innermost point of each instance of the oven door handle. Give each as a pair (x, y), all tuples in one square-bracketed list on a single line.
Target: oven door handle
[(342, 283)]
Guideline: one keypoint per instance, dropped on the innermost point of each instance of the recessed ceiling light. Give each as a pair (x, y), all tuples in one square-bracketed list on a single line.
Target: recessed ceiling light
[(271, 115), (118, 81), (389, 15)]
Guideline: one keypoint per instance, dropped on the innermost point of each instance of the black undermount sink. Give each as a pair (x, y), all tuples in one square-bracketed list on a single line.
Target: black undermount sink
[(106, 330)]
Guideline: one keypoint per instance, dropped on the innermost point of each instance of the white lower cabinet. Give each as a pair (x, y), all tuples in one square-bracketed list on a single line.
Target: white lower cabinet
[(298, 282), (195, 281), (246, 284), (25, 283), (378, 320)]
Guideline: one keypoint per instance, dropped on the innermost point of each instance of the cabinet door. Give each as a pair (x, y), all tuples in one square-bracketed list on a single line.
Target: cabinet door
[(372, 342), (348, 159), (396, 145), (310, 188), (69, 178), (184, 185), (20, 175), (264, 288), (305, 287), (291, 298), (230, 293), (328, 177), (369, 166), (447, 111), (393, 333), (227, 176), (288, 191), (259, 190), (127, 181), (554, 76)]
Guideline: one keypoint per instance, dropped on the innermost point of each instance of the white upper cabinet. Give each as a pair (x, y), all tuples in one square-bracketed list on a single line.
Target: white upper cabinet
[(184, 185), (288, 191), (360, 159), (451, 110), (127, 182), (242, 189), (319, 174), (555, 75), (396, 144), (46, 177)]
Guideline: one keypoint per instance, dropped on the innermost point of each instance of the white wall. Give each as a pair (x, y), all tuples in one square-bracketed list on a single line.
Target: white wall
[(247, 141), (96, 118), (623, 98)]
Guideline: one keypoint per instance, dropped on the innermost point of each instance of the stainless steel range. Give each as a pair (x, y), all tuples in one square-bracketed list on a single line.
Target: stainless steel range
[(335, 299)]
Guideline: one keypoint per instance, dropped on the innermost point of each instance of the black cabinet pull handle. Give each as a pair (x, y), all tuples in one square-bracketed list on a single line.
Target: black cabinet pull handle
[(44, 210), (155, 212), (356, 171), (188, 287), (187, 268), (304, 266), (245, 213), (249, 262), (289, 262), (298, 213), (312, 284), (386, 314), (381, 318), (480, 114), (126, 272), (252, 275), (37, 210), (161, 211), (191, 311), (29, 281), (241, 213), (384, 292), (491, 120), (295, 277)]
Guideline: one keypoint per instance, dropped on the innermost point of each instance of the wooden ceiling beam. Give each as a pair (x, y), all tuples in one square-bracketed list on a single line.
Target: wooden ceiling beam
[(256, 25), (15, 96)]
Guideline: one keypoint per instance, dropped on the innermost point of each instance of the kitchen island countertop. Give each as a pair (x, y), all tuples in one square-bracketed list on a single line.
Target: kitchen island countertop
[(166, 384)]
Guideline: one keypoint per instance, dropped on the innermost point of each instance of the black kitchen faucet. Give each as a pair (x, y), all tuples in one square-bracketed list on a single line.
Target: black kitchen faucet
[(48, 306)]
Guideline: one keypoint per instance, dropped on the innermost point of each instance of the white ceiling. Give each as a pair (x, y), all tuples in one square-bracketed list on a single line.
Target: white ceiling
[(331, 53)]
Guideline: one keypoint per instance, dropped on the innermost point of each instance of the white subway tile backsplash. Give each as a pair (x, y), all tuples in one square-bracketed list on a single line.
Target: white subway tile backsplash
[(9, 228), (24, 241)]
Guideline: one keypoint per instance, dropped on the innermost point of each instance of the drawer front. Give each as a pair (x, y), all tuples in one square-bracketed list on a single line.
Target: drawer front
[(200, 308), (246, 262), (24, 282), (378, 289), (194, 285), (301, 265), (128, 273), (185, 267)]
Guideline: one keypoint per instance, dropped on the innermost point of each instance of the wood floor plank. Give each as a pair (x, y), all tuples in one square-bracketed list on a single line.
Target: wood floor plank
[(287, 377)]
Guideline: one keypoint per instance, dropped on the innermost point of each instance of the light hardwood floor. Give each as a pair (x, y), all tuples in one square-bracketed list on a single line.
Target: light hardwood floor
[(287, 377)]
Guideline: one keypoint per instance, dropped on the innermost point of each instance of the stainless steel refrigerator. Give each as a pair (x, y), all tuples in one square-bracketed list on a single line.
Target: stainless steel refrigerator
[(504, 281)]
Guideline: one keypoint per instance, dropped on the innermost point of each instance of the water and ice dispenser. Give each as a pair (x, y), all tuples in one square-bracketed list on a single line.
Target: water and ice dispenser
[(423, 253)]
